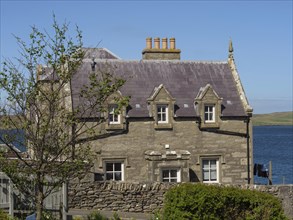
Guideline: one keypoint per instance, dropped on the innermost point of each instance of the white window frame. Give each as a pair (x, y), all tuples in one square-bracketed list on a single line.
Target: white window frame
[(169, 178), (160, 113), (209, 170), (113, 171), (111, 115), (210, 112)]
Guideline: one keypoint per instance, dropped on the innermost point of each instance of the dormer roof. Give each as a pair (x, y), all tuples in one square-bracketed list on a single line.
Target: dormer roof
[(204, 90), (157, 90)]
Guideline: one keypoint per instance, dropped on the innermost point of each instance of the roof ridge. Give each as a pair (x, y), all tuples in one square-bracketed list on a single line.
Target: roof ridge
[(162, 61)]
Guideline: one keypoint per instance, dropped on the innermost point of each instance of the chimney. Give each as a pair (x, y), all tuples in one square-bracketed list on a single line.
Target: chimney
[(172, 43), (149, 44), (157, 53), (157, 43), (165, 43)]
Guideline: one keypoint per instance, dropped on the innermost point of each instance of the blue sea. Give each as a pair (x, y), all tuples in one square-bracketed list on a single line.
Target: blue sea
[(274, 143)]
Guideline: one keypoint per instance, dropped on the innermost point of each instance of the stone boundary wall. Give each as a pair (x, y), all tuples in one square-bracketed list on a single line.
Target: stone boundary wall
[(283, 192), (117, 196), (147, 197)]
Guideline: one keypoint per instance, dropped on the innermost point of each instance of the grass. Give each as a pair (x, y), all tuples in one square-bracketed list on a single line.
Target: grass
[(277, 118)]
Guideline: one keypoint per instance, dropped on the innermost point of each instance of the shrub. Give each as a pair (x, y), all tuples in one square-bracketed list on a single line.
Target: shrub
[(200, 201), (98, 216), (4, 216), (116, 216)]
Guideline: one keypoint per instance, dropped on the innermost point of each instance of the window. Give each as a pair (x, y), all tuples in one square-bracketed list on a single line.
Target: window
[(161, 108), (114, 171), (114, 118), (208, 106), (162, 113), (210, 170), (171, 175), (209, 113)]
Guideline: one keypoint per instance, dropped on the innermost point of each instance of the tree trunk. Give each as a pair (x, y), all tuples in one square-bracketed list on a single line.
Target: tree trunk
[(39, 198)]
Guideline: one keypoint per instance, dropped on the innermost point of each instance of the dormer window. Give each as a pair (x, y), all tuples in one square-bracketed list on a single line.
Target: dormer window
[(209, 113), (162, 113), (114, 117), (208, 107), (161, 108)]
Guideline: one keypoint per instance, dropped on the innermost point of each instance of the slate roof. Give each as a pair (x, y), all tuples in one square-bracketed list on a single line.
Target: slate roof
[(17, 136), (99, 53), (183, 80)]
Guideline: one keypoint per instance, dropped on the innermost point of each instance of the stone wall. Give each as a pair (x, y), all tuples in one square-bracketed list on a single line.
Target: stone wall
[(283, 192), (143, 151), (117, 196), (147, 197)]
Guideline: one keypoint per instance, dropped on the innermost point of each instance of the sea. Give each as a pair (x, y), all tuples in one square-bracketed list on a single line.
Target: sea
[(275, 144)]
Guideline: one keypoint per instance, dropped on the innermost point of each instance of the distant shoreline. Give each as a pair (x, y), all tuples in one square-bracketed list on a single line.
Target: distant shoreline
[(273, 119)]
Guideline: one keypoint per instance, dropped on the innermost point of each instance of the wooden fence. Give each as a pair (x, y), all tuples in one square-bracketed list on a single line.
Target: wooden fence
[(11, 199), (6, 193)]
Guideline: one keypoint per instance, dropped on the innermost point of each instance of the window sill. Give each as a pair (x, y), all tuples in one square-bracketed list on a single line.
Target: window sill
[(210, 182), (209, 122), (163, 126)]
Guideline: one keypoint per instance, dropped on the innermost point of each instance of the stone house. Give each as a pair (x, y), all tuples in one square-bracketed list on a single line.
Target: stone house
[(187, 121)]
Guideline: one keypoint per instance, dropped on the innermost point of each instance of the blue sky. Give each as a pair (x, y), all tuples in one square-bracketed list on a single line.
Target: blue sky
[(261, 32)]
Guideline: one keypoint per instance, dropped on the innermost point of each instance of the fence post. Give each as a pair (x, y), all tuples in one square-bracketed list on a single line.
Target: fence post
[(11, 199), (64, 201), (270, 173)]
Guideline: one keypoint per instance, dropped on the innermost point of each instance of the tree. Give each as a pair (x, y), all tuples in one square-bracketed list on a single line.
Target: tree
[(38, 109)]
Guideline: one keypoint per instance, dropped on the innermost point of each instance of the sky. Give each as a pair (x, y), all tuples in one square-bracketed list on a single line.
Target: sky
[(261, 32)]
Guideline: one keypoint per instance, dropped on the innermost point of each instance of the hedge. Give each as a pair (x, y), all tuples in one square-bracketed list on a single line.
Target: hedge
[(201, 201)]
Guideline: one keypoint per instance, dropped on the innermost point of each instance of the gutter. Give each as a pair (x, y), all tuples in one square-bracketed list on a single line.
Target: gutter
[(248, 150)]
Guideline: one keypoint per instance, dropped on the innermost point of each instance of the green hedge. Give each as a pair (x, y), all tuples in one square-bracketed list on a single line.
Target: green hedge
[(200, 201), (4, 216)]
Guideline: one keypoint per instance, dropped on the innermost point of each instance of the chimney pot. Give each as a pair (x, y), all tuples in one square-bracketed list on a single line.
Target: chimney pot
[(149, 44), (172, 43), (157, 43), (165, 43), (167, 52)]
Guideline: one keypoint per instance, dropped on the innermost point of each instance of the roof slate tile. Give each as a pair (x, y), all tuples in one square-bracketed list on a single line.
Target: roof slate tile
[(183, 79)]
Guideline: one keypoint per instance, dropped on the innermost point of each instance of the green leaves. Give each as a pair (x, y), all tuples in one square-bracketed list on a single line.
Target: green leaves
[(39, 104), (199, 201), (36, 85)]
